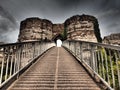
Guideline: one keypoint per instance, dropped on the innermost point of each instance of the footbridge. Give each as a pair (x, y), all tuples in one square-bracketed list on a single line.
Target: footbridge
[(77, 65)]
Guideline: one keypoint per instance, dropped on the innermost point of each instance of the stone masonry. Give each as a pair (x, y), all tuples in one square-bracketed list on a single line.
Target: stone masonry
[(35, 29), (78, 27), (81, 28), (57, 29), (112, 39)]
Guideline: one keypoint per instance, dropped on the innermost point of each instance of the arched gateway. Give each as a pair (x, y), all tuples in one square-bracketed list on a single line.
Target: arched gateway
[(78, 27)]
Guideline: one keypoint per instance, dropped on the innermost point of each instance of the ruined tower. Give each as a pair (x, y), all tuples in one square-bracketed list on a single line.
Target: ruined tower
[(82, 27), (35, 29), (78, 27)]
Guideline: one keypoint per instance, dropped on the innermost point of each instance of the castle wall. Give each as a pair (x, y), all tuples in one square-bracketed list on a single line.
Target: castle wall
[(112, 39), (79, 27), (35, 29)]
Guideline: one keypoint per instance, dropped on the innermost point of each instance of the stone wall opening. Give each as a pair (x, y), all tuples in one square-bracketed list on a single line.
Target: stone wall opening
[(58, 43), (58, 37), (78, 27)]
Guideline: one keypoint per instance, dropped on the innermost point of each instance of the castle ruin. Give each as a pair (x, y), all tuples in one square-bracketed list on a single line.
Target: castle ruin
[(78, 27), (112, 39)]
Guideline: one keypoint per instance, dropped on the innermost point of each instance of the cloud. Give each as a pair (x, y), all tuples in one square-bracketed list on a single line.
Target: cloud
[(7, 26), (107, 12)]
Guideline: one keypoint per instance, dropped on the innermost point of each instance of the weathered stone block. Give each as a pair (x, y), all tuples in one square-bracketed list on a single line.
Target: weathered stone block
[(79, 27)]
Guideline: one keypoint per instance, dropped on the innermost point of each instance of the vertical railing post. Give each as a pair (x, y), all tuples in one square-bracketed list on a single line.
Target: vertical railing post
[(92, 57), (7, 60), (99, 70), (40, 48), (117, 66), (12, 57), (81, 51), (33, 52), (2, 67), (19, 59), (106, 62), (103, 71), (72, 47), (75, 48), (96, 61), (111, 65), (69, 45), (15, 61)]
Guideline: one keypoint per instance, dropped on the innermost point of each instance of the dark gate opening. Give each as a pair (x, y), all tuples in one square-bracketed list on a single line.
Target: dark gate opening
[(57, 37)]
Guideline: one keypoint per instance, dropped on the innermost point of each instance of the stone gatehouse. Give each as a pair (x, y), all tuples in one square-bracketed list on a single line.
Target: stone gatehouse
[(78, 27)]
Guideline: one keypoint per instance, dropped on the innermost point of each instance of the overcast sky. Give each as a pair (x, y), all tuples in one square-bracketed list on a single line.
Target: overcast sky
[(13, 11)]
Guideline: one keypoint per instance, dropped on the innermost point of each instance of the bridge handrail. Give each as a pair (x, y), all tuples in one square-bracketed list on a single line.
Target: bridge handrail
[(18, 43), (14, 57), (116, 47), (101, 60)]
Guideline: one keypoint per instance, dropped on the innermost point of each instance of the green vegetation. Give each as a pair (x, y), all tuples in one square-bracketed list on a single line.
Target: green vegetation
[(64, 34), (109, 57)]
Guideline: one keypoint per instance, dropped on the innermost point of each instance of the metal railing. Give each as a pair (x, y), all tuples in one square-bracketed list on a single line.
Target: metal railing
[(101, 60), (16, 56)]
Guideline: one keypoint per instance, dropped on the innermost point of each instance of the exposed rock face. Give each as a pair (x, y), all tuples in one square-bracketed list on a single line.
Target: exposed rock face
[(35, 29), (82, 28), (112, 39)]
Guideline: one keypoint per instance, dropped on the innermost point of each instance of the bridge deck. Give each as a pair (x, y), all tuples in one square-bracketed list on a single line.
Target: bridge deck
[(57, 70)]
